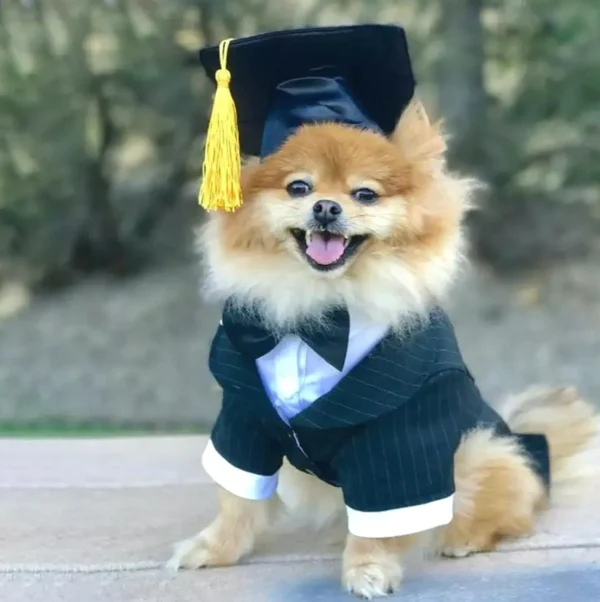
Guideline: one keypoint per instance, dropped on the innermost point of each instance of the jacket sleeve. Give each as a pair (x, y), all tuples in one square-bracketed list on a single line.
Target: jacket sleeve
[(241, 456), (397, 473)]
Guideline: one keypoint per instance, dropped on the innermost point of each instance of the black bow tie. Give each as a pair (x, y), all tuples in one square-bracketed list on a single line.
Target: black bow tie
[(249, 336)]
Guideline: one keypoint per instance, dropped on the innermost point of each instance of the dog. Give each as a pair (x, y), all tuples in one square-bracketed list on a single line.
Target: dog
[(395, 254)]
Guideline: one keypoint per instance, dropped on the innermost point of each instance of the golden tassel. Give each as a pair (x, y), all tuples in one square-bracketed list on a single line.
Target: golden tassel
[(221, 186)]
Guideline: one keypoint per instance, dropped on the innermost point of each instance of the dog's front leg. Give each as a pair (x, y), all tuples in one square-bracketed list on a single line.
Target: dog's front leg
[(230, 536), (374, 567)]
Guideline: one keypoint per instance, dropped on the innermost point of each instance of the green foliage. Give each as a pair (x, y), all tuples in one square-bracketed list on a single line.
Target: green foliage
[(102, 113), (542, 132), (78, 83), (545, 59)]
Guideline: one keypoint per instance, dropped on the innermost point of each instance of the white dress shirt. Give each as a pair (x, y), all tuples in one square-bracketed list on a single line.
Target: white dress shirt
[(294, 375)]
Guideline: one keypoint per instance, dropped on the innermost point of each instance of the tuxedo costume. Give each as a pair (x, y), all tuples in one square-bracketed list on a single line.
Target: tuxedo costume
[(386, 432), (377, 414)]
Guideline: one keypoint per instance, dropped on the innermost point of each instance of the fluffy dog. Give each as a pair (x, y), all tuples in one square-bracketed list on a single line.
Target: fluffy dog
[(394, 253)]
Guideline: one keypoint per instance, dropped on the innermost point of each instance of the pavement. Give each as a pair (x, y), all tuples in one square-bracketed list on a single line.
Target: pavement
[(94, 520)]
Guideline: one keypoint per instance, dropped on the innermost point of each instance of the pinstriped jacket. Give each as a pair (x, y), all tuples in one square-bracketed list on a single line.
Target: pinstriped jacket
[(386, 434)]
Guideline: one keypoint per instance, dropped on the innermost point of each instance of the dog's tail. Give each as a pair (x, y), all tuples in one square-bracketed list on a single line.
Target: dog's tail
[(572, 427)]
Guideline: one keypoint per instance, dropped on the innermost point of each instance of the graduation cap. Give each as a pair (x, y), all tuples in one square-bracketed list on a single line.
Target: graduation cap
[(358, 75)]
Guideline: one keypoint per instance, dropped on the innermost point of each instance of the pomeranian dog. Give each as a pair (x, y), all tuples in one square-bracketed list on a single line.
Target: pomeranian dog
[(393, 259)]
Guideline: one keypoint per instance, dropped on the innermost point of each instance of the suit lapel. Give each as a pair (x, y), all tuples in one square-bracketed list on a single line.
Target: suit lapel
[(387, 378)]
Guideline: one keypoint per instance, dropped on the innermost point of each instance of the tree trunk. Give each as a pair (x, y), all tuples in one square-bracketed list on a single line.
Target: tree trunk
[(99, 246), (461, 81)]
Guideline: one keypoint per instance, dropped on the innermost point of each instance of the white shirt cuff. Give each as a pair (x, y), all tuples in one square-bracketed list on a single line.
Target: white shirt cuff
[(401, 521), (244, 484)]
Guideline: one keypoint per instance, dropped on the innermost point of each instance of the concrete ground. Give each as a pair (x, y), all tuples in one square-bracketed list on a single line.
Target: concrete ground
[(94, 520)]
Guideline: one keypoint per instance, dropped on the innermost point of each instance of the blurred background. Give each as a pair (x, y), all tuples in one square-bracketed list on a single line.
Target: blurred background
[(102, 119)]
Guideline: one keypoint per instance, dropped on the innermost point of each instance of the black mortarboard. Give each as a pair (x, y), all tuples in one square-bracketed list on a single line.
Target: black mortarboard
[(356, 75)]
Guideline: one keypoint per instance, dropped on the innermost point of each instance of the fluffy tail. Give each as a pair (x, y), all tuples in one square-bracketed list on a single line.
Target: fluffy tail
[(572, 427)]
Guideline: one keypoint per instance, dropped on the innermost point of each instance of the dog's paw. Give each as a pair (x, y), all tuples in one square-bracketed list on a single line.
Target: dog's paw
[(372, 580), (199, 552), (460, 547)]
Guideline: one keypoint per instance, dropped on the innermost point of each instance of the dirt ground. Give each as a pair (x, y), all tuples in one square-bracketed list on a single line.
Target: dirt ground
[(134, 353)]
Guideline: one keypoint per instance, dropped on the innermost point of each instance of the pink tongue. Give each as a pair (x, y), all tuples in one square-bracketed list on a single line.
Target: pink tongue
[(324, 251)]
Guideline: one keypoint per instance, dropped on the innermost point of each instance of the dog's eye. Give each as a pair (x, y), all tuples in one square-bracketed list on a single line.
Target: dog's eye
[(365, 195), (298, 188)]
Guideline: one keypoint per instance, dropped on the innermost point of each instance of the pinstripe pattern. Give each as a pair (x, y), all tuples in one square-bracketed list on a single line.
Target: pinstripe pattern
[(386, 433), (405, 458), (236, 434)]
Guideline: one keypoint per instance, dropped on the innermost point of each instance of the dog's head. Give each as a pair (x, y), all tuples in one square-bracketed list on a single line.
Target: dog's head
[(343, 216)]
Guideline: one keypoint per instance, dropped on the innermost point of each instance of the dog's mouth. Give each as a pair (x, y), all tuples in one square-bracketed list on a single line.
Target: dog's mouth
[(326, 250)]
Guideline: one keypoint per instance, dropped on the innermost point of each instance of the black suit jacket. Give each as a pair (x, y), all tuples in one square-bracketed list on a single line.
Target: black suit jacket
[(386, 434)]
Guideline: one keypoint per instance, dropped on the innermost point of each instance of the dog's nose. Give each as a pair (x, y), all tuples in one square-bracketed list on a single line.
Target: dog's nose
[(326, 212)]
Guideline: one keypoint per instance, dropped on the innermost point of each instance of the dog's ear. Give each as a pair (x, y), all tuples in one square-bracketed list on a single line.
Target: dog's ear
[(416, 137)]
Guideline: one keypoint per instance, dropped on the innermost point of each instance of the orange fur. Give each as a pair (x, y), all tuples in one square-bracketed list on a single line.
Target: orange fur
[(414, 249), (497, 495), (229, 537), (415, 240), (373, 566)]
